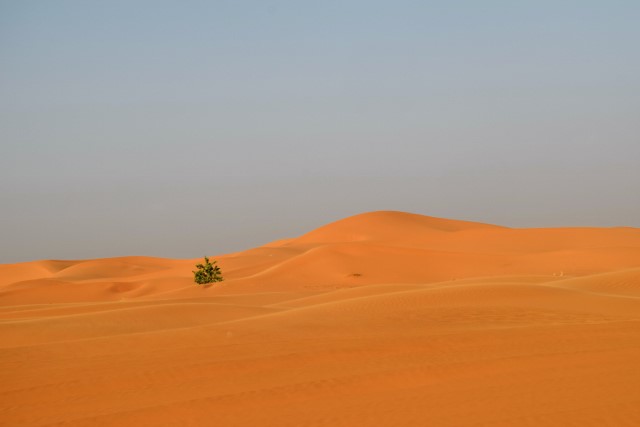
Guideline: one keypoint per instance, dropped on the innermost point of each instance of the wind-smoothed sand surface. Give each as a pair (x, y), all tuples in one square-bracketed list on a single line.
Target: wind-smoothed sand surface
[(381, 319)]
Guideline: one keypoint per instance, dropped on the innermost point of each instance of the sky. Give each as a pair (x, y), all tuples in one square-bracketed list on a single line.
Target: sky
[(184, 128)]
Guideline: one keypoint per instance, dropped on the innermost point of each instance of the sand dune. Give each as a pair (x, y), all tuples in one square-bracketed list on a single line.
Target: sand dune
[(620, 283), (381, 319)]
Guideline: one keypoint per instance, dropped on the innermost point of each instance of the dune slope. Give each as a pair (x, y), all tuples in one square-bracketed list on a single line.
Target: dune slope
[(381, 319)]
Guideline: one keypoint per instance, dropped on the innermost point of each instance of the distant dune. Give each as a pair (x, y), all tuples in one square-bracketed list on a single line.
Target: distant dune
[(380, 319)]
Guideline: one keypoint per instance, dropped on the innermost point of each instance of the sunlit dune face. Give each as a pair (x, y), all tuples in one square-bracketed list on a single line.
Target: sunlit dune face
[(381, 319)]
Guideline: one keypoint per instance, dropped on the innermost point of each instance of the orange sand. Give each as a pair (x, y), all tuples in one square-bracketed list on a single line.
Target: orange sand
[(382, 319)]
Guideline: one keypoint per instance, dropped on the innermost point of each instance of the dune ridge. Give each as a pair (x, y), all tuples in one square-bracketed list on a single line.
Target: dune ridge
[(380, 319)]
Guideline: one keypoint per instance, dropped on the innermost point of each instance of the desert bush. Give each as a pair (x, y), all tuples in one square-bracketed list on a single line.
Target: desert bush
[(207, 273)]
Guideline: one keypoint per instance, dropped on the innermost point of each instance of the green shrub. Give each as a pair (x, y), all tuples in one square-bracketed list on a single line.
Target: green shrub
[(207, 273)]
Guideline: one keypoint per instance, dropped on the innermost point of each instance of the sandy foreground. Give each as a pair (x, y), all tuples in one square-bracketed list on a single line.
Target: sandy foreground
[(381, 319)]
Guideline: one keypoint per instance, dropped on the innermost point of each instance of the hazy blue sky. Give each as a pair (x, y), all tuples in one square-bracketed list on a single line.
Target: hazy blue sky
[(179, 128)]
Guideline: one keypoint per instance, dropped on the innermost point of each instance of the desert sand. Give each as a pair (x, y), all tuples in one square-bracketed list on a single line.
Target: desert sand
[(381, 319)]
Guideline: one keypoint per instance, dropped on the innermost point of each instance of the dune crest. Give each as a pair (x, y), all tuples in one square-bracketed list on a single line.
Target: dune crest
[(380, 319), (386, 226)]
